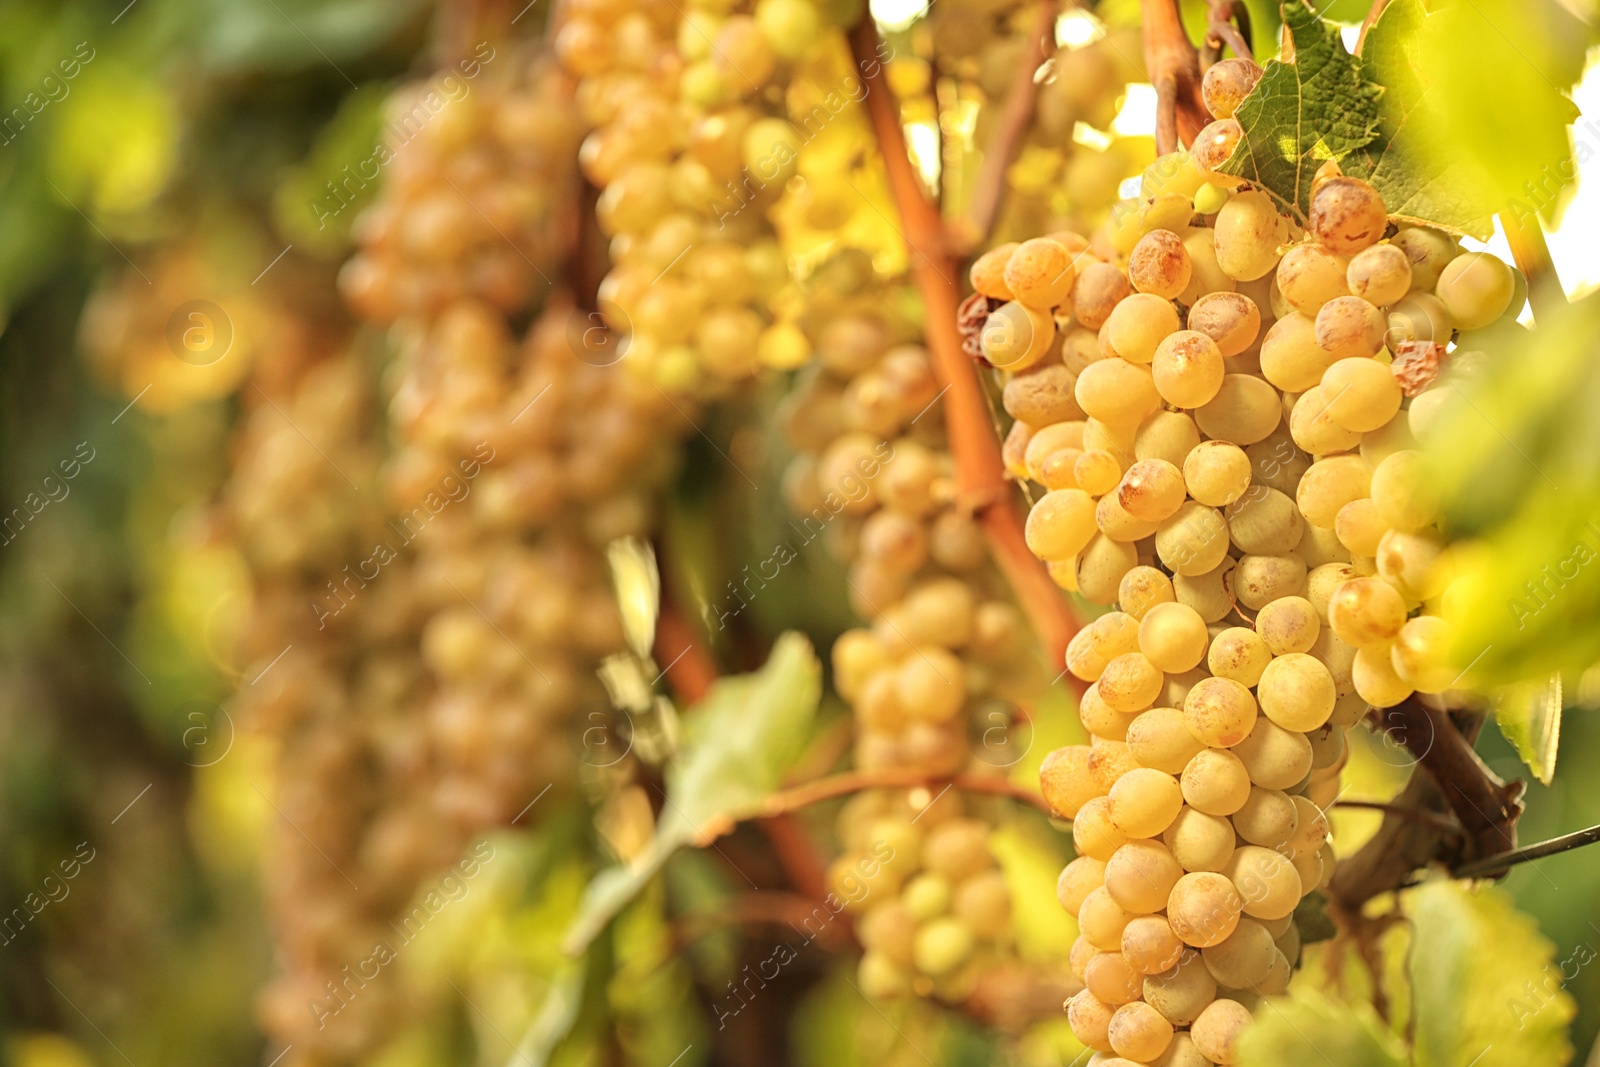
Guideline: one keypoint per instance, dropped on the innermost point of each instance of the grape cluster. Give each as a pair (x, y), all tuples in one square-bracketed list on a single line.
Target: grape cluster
[(476, 191), (691, 149), (933, 908), (1215, 404), (930, 679)]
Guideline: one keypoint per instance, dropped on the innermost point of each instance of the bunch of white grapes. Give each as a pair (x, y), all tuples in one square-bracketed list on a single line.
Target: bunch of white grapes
[(932, 907), (944, 650), (1221, 409)]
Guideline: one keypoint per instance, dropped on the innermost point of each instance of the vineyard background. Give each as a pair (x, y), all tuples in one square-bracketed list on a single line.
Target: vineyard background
[(191, 157)]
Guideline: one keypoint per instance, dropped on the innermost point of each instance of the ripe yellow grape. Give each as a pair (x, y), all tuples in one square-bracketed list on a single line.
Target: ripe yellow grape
[(1210, 594), (1078, 879), (1173, 637), (1264, 522), (1328, 485), (1159, 739), (1138, 1032), (1476, 289), (1109, 761), (1380, 274), (1348, 327), (1187, 369), (1100, 718), (1215, 143), (1421, 654), (1140, 874), (1159, 264), (1149, 946), (1216, 1031), (1290, 624), (1093, 832), (1259, 580), (1273, 757), (1267, 883), (1180, 996), (1138, 324), (1040, 273), (1065, 781), (1245, 410), (1097, 471), (1404, 492), (1216, 473), (1060, 524), (1116, 391), (1151, 490), (1166, 435), (1267, 818), (1238, 654), (987, 273), (1366, 611), (1419, 317), (1297, 692), (1101, 566), (1226, 84), (1098, 290), (1244, 959), (1111, 979), (1230, 319), (1142, 589), (1143, 803), (1291, 358), (1375, 677), (1101, 920), (1130, 682), (1193, 541), (1362, 394), (1204, 908), (1359, 527), (1347, 215), (1219, 711), (1215, 782), (1309, 276), (1200, 842), (1249, 231), (1116, 523), (1016, 336)]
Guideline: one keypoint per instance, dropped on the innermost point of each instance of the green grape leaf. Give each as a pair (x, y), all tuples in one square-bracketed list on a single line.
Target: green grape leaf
[(1529, 715), (1457, 142), (1513, 461), (1308, 1028), (738, 743), (1311, 918), (1302, 114), (1485, 989)]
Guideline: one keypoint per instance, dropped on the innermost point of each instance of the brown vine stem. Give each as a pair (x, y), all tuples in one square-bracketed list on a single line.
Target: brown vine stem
[(1015, 115), (839, 785), (1443, 823), (1174, 67), (1221, 32), (1456, 781), (980, 474), (1532, 256), (1491, 866)]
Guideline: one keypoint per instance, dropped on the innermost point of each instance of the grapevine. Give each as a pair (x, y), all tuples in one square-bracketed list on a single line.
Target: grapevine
[(668, 530)]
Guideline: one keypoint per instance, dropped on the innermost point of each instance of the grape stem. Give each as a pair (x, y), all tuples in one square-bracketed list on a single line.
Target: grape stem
[(1532, 256), (839, 785), (1500, 862), (1221, 32), (1456, 782), (974, 445), (1015, 116), (1174, 67)]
